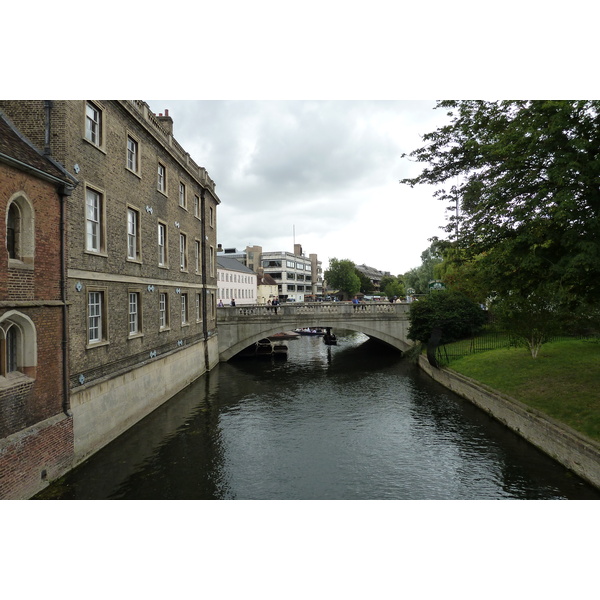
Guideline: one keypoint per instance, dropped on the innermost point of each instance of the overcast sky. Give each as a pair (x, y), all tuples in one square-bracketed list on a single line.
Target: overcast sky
[(327, 170)]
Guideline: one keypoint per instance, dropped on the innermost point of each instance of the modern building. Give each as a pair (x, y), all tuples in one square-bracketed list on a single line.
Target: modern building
[(141, 277), (235, 282), (299, 278), (36, 426)]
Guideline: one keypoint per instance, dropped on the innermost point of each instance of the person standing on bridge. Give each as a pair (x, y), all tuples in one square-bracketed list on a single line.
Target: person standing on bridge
[(275, 304), (233, 302), (356, 302)]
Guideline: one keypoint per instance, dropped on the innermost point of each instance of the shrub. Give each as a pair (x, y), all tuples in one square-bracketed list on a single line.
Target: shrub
[(456, 315)]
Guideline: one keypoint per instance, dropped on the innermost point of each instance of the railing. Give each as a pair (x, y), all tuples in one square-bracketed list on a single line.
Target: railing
[(346, 309)]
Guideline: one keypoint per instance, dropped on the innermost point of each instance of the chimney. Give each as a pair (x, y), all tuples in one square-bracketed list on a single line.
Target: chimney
[(166, 121)]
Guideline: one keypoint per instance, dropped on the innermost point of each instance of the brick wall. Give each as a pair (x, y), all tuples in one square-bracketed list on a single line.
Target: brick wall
[(33, 457)]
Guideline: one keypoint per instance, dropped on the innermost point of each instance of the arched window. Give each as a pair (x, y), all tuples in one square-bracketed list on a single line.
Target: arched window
[(18, 344), (13, 225), (20, 229)]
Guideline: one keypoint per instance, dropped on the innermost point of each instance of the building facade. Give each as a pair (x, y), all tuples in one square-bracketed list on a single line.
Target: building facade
[(235, 282), (36, 427), (142, 277), (298, 278)]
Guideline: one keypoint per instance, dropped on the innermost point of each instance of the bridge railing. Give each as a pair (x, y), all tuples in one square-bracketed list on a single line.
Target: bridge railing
[(370, 310)]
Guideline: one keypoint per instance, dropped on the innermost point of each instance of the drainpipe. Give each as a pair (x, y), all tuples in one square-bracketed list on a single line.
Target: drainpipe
[(204, 272), (65, 193)]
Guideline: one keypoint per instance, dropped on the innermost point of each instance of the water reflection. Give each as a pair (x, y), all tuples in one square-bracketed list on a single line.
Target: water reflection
[(353, 421)]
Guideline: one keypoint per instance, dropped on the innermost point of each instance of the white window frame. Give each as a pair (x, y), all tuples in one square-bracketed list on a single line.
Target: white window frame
[(94, 221), (163, 311), (161, 183), (196, 206), (184, 309), (197, 251), (133, 154), (163, 248), (182, 195), (133, 234), (135, 313), (94, 124), (183, 259), (96, 317), (198, 307)]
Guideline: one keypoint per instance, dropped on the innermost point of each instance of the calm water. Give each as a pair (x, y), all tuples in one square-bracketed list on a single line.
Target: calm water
[(353, 421)]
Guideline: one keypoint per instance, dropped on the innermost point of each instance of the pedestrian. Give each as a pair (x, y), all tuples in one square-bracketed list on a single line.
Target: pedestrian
[(275, 305), (233, 302), (355, 302), (220, 305)]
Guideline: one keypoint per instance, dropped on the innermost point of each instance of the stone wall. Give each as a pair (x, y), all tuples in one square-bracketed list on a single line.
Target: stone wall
[(565, 445)]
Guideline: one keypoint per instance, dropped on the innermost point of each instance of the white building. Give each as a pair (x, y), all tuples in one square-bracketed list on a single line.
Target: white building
[(298, 277), (235, 282)]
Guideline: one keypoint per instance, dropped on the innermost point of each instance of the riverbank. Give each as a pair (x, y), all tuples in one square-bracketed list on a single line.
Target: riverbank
[(521, 409)]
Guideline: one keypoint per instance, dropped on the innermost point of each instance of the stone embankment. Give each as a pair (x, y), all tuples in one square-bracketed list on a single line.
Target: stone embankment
[(576, 452)]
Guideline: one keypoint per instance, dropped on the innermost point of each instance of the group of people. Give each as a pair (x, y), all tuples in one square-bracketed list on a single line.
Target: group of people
[(273, 304)]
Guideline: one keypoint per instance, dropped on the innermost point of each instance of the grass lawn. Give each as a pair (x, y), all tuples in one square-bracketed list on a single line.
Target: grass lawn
[(563, 381)]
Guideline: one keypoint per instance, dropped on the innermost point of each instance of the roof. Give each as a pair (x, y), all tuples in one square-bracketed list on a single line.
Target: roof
[(266, 279), (17, 150), (232, 264), (371, 271)]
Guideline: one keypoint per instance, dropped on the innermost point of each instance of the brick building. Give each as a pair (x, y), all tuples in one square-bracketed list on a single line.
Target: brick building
[(142, 277), (36, 429)]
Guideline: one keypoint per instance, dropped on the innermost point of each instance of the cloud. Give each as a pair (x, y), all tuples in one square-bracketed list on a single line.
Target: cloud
[(327, 169)]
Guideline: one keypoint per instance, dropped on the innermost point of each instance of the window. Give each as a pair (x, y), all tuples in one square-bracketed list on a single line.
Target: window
[(94, 221), (20, 234), (198, 307), (182, 198), (133, 234), (18, 344), (211, 214), (13, 228), (134, 314), (162, 245), (163, 311), (197, 206), (212, 261), (93, 124), (182, 251), (96, 317), (133, 159), (184, 309), (162, 179), (197, 255)]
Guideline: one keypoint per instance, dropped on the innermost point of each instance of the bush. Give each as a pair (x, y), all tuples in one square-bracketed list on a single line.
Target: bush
[(456, 315)]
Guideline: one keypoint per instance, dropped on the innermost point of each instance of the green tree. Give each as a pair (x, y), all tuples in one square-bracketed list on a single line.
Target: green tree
[(366, 285), (525, 175), (456, 315), (342, 276), (533, 318), (392, 286), (419, 277)]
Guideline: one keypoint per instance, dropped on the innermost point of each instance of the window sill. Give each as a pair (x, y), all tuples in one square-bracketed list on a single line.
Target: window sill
[(13, 379), (135, 336), (100, 148), (133, 173), (93, 345), (15, 263)]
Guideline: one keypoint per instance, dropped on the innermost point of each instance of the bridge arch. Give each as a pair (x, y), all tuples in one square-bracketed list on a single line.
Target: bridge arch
[(239, 327)]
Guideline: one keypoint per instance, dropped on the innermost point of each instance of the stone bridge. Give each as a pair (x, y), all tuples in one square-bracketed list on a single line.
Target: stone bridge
[(241, 326)]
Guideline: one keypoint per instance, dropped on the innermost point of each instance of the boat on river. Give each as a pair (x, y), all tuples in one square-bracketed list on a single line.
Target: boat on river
[(310, 331)]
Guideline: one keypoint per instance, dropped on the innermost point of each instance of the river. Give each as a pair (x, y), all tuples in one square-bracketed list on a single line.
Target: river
[(352, 421)]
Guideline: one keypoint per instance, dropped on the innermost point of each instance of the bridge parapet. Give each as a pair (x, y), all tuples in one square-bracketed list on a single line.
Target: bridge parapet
[(240, 326), (235, 313)]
